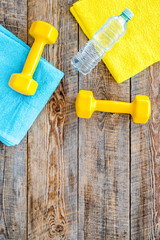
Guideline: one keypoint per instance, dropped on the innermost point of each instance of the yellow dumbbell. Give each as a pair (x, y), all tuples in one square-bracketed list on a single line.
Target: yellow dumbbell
[(140, 108), (43, 33)]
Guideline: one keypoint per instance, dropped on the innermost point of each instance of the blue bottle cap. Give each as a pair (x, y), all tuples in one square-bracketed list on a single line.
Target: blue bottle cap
[(128, 13)]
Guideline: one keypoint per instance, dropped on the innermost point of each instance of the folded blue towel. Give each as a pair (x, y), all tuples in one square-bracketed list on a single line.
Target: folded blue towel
[(18, 112)]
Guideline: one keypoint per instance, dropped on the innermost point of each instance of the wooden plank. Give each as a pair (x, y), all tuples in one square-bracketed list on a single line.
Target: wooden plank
[(104, 161), (145, 152), (52, 141), (155, 143), (13, 16)]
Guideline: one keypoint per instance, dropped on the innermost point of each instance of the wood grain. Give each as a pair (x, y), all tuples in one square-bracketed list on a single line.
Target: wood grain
[(145, 161), (155, 142), (52, 141), (104, 161), (13, 180)]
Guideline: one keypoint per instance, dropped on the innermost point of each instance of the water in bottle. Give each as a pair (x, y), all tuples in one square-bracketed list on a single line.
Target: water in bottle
[(103, 40)]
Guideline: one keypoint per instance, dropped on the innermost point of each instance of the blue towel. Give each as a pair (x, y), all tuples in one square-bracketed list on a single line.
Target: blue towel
[(18, 112)]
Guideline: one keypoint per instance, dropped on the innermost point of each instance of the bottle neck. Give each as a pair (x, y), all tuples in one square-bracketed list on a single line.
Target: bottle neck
[(124, 17)]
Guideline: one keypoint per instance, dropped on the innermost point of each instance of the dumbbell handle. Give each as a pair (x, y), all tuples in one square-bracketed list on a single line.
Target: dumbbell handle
[(113, 106), (33, 57)]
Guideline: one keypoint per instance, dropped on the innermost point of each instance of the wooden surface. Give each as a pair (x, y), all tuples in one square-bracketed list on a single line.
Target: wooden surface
[(74, 178)]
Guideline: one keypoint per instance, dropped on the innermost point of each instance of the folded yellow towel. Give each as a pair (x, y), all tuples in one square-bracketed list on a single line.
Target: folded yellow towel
[(139, 47)]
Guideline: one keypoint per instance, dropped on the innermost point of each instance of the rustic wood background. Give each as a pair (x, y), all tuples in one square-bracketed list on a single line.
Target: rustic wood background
[(73, 178)]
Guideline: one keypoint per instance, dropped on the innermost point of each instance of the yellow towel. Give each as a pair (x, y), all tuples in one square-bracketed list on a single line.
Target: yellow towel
[(139, 47)]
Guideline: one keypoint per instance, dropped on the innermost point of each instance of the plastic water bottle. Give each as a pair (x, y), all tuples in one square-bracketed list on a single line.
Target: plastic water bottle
[(103, 40)]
